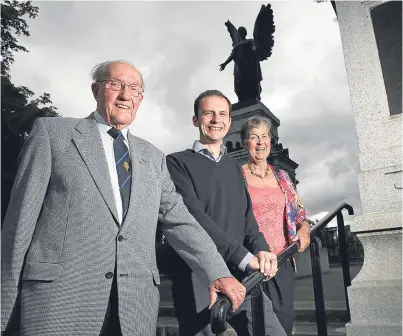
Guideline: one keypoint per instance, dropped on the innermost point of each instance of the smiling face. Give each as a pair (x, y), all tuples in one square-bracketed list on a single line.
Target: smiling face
[(118, 108), (213, 119), (258, 144)]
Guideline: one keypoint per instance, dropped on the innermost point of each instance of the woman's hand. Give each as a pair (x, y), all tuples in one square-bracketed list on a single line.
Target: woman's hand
[(266, 263), (303, 236)]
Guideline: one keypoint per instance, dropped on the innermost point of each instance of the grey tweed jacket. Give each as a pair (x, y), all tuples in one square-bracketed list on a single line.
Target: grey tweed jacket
[(59, 237)]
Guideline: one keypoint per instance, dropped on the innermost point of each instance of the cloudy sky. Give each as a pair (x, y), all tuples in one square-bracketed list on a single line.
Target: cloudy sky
[(178, 47)]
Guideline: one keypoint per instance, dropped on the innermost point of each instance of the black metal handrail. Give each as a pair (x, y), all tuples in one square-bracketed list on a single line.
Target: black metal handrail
[(220, 310)]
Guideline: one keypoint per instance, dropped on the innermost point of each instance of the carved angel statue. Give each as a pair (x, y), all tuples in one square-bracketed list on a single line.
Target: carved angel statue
[(248, 53)]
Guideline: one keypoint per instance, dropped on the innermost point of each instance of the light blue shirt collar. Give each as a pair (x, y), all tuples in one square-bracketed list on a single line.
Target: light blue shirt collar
[(198, 147)]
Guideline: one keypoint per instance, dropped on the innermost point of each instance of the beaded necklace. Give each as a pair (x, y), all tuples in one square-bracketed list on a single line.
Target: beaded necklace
[(262, 176)]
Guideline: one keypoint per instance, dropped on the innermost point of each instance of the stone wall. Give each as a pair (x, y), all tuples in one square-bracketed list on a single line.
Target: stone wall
[(372, 56)]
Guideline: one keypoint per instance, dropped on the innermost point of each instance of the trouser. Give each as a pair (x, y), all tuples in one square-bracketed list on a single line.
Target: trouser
[(280, 291), (191, 301), (111, 325)]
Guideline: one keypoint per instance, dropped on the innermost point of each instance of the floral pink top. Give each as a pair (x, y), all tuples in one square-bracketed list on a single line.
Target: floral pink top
[(268, 205), (294, 212)]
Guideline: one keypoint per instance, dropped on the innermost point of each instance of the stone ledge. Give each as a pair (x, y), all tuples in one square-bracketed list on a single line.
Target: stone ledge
[(377, 221), (373, 330), (376, 284), (378, 190), (382, 258), (252, 105), (383, 158), (368, 300), (387, 129)]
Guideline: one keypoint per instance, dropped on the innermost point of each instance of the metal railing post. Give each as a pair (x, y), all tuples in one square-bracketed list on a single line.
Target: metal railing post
[(258, 325), (344, 257), (321, 321)]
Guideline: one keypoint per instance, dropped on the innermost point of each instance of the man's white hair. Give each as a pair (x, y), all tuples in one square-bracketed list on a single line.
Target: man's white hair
[(100, 71)]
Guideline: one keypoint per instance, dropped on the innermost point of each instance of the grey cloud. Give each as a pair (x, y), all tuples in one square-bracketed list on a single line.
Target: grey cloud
[(324, 143), (179, 45)]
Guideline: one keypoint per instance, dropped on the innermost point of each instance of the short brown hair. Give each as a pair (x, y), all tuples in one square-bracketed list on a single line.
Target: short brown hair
[(209, 93)]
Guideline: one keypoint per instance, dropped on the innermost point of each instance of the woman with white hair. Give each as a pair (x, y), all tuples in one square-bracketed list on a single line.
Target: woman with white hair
[(279, 212)]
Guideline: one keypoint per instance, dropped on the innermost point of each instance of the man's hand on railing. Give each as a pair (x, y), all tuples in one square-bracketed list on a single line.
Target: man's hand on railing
[(266, 263), (231, 287)]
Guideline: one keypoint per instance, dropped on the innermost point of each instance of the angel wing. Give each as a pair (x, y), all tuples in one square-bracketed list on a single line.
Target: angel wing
[(233, 32), (263, 32)]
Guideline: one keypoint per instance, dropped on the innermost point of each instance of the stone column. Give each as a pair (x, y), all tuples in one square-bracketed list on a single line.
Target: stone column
[(371, 38)]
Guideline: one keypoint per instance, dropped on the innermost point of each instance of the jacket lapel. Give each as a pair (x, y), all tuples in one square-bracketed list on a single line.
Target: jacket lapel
[(89, 144)]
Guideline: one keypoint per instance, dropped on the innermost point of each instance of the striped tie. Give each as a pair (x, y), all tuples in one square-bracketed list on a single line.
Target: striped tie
[(123, 167)]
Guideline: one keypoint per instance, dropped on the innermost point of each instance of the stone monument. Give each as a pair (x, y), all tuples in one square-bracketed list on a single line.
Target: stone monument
[(247, 55), (371, 34)]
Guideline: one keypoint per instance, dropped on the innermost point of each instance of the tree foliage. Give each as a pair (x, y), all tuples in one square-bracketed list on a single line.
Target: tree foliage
[(13, 24), (19, 108)]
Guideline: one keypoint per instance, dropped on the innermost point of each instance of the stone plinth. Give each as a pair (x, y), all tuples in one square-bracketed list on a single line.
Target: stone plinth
[(371, 38)]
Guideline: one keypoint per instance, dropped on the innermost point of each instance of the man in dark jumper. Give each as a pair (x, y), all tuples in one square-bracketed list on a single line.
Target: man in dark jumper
[(213, 189)]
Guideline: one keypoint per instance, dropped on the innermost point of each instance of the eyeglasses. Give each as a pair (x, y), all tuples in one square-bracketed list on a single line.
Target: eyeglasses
[(118, 85)]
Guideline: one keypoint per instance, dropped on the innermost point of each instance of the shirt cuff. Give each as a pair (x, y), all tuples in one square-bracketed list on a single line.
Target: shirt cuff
[(245, 261)]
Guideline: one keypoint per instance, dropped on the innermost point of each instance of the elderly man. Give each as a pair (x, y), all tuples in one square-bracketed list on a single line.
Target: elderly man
[(213, 189), (78, 240)]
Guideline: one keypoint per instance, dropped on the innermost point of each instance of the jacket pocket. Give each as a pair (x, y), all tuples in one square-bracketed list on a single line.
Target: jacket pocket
[(41, 271), (156, 277)]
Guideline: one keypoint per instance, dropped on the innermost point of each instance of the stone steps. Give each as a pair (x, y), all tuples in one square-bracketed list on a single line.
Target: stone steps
[(168, 326), (333, 315), (304, 312)]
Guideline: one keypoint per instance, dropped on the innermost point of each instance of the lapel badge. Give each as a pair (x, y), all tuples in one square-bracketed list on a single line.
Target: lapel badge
[(126, 165)]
